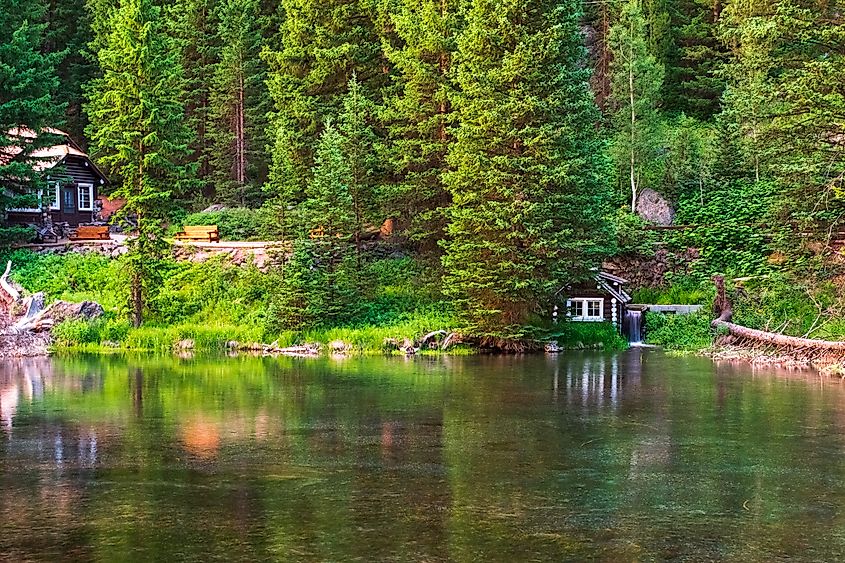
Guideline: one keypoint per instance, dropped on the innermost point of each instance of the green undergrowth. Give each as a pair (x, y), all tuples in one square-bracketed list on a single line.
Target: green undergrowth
[(212, 303), (679, 332), (576, 336)]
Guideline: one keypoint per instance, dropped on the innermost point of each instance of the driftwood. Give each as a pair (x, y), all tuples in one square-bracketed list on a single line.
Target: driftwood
[(12, 295)]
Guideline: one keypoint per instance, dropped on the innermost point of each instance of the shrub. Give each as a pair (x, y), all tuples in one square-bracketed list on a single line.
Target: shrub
[(679, 332), (577, 335), (238, 223)]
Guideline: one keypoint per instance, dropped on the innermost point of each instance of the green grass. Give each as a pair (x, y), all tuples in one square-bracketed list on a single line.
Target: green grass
[(679, 332), (604, 336)]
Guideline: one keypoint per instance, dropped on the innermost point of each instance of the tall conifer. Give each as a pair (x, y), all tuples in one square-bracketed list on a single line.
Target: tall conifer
[(528, 199), (137, 128), (417, 113), (28, 85)]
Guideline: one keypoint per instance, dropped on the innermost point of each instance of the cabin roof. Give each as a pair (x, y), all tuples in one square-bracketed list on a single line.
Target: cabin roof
[(47, 157)]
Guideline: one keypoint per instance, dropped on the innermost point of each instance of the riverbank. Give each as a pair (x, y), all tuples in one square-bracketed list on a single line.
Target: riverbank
[(207, 306)]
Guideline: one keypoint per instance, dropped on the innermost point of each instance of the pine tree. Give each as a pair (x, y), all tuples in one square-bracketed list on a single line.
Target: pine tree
[(138, 131), (323, 44), (319, 283), (193, 25), (636, 81), (359, 142), (68, 32), (693, 84), (237, 105), (529, 206), (417, 113), (28, 85)]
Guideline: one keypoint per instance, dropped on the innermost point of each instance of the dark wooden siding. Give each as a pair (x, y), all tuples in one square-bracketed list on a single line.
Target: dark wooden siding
[(73, 170)]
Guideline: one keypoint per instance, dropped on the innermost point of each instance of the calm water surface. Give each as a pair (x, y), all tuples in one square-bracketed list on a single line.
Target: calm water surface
[(631, 457)]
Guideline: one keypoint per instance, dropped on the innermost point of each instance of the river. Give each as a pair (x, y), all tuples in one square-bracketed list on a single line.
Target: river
[(637, 456)]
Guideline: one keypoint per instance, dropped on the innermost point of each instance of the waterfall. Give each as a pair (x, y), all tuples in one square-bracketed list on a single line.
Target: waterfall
[(633, 326)]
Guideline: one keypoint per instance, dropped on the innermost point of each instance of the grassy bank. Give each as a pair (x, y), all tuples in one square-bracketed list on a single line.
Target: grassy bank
[(213, 303)]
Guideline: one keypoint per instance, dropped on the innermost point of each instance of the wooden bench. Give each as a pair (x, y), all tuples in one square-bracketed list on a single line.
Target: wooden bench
[(201, 233), (90, 232)]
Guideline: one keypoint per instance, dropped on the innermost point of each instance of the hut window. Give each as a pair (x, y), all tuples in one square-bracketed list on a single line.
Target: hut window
[(585, 309), (86, 197), (51, 195)]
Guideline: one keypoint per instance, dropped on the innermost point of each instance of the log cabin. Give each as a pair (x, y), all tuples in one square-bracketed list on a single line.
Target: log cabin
[(605, 300), (73, 183)]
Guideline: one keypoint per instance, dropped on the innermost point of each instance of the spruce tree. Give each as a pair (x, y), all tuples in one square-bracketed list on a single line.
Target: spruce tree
[(137, 128), (359, 142), (319, 278), (237, 105), (417, 112), (529, 206), (636, 81), (68, 32), (324, 42), (28, 85)]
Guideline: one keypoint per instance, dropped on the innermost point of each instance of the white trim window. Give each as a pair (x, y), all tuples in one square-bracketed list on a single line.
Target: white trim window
[(590, 309), (85, 199), (52, 195)]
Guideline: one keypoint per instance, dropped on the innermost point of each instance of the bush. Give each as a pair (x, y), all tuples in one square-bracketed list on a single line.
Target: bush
[(238, 223), (577, 335), (679, 332)]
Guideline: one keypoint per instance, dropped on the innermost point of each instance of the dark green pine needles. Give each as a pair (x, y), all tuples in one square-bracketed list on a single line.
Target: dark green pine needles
[(529, 206)]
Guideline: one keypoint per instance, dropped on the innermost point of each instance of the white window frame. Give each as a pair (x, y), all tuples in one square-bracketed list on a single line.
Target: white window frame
[(55, 205), (79, 192), (578, 307)]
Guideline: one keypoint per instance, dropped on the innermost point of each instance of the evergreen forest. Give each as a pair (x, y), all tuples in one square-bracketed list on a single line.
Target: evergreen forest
[(507, 149)]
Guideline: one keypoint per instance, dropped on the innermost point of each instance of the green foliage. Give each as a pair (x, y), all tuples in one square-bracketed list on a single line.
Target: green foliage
[(576, 335), (732, 232), (679, 332), (632, 237), (238, 223), (528, 204), (28, 86), (684, 291), (635, 84)]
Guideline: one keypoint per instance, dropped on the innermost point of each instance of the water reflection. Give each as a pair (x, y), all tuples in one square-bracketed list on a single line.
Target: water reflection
[(583, 456)]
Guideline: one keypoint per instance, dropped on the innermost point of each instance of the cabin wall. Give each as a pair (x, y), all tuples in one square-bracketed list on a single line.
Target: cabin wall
[(594, 293), (73, 170)]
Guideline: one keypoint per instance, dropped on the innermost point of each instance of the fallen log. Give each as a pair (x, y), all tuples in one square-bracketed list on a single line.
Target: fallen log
[(777, 339)]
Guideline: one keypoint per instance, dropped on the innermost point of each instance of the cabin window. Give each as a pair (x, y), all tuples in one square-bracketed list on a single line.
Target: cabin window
[(586, 309), (48, 196), (51, 195), (86, 197)]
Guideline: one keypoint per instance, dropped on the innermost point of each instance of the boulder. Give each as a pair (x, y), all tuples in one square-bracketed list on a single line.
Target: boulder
[(655, 208)]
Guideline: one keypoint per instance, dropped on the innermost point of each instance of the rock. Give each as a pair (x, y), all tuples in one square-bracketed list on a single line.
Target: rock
[(110, 344), (338, 346), (655, 208), (552, 348), (232, 345), (215, 208), (187, 344)]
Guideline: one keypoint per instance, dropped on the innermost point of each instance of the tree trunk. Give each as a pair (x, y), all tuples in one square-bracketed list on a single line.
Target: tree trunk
[(137, 297)]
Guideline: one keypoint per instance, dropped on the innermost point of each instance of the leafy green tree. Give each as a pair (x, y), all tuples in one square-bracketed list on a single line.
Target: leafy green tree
[(417, 111), (137, 128), (529, 206), (28, 86), (237, 105), (636, 81)]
